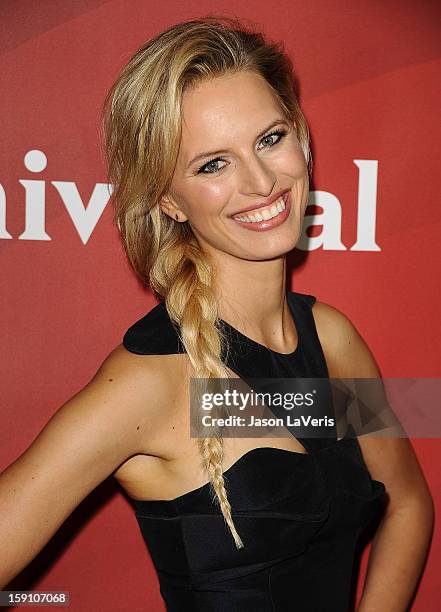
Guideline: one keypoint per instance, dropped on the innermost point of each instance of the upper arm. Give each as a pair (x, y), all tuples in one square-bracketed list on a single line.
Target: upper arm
[(389, 459), (83, 443)]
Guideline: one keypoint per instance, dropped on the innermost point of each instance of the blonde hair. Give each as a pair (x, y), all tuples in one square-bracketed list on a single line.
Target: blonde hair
[(142, 130)]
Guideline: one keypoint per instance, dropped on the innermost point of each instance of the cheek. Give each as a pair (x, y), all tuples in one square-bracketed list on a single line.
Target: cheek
[(292, 162), (209, 198)]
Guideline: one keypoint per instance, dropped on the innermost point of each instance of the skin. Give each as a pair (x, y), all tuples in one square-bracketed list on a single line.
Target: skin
[(128, 420)]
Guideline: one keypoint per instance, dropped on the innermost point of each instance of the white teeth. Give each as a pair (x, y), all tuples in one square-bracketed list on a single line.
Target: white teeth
[(264, 213)]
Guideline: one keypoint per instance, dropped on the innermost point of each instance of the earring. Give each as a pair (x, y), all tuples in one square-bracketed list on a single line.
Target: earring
[(176, 216)]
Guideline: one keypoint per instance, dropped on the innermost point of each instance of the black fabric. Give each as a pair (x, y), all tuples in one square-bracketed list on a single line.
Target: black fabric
[(299, 514)]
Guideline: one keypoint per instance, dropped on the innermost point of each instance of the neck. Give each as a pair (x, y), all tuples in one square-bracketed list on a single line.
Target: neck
[(252, 298)]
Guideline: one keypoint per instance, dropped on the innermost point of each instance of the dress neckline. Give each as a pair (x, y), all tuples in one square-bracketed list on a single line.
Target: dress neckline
[(249, 455), (262, 347)]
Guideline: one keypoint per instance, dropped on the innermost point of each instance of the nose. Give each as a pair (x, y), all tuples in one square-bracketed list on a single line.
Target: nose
[(256, 177)]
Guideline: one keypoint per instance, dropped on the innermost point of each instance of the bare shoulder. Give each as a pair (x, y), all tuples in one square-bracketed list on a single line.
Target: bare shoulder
[(140, 389), (346, 352), (136, 375), (390, 459)]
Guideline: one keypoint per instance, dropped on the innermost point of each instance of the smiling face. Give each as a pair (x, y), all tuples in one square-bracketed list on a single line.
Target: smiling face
[(255, 158)]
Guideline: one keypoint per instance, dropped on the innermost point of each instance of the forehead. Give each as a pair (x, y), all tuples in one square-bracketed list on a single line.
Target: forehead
[(226, 107)]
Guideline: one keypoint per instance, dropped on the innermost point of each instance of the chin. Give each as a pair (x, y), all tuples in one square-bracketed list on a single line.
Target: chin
[(276, 252)]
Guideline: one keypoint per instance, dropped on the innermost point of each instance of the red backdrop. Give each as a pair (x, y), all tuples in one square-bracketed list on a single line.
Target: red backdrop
[(368, 73)]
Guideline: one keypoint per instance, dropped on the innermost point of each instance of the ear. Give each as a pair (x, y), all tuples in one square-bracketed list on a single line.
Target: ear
[(170, 208)]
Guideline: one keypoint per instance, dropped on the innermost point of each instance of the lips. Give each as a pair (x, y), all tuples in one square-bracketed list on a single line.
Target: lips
[(283, 193), (267, 224)]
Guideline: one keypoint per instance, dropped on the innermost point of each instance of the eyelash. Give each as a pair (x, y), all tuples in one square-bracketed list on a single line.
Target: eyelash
[(282, 133)]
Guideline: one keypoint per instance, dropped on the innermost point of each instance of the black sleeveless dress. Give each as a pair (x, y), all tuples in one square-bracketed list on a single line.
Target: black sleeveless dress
[(299, 515)]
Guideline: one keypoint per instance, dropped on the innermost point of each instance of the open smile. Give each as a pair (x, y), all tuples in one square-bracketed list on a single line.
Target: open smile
[(268, 217)]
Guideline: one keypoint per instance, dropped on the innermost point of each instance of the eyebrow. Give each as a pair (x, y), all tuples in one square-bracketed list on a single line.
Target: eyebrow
[(211, 153)]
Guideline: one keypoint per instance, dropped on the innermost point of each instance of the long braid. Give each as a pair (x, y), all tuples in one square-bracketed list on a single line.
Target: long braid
[(192, 302)]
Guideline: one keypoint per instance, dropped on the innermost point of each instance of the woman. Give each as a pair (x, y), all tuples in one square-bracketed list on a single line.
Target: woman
[(208, 154)]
